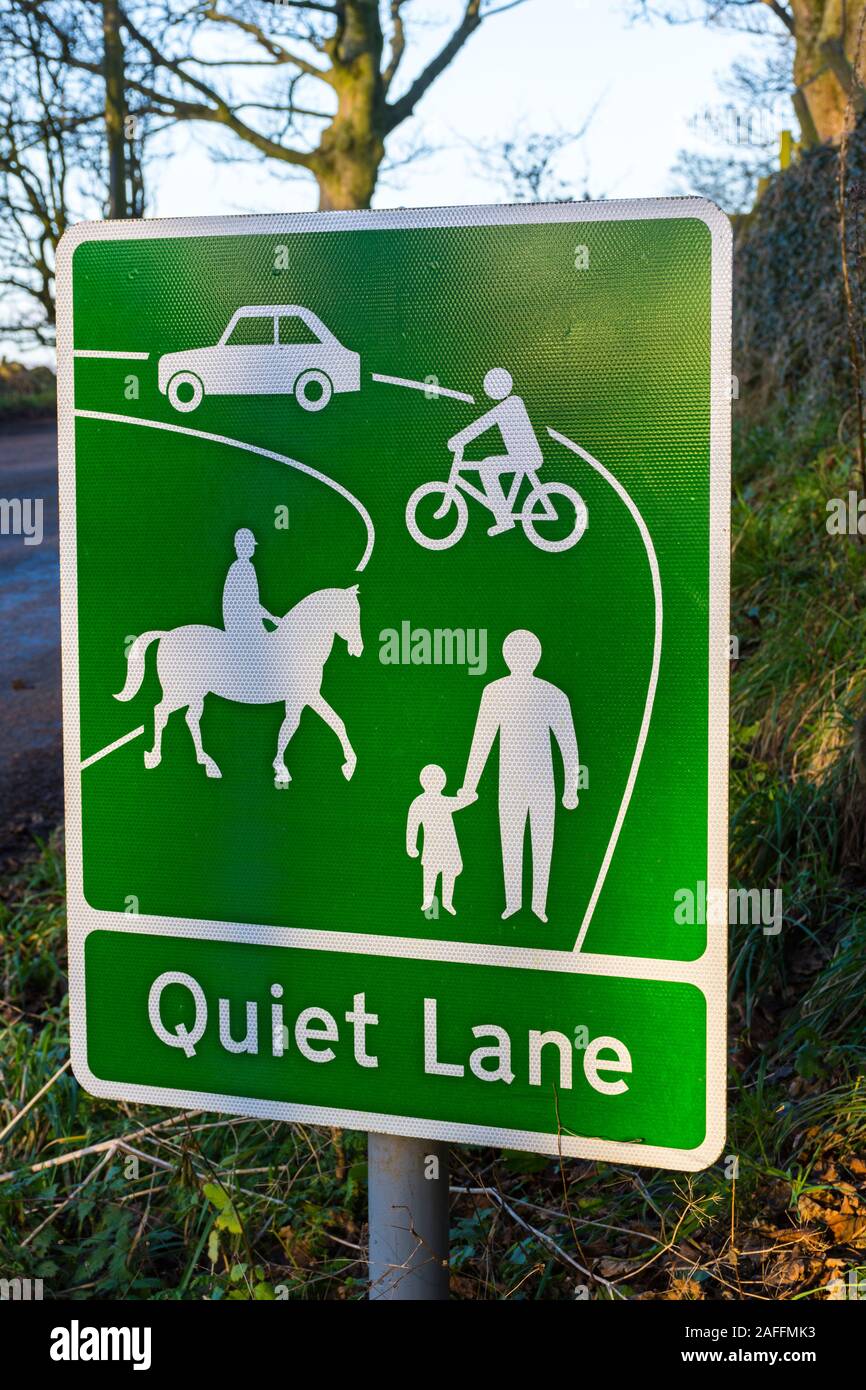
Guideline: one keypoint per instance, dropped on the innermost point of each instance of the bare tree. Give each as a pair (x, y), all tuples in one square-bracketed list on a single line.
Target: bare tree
[(827, 74), (316, 86), (69, 146), (45, 138), (310, 84)]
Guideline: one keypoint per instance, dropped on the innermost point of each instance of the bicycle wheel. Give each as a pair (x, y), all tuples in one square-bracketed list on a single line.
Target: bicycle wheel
[(453, 502), (547, 538)]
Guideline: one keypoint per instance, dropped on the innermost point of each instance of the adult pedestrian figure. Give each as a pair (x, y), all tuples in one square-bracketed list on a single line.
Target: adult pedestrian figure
[(524, 711)]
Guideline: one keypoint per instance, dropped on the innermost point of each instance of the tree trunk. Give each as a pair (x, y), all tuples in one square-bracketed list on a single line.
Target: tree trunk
[(352, 147), (347, 167), (826, 60), (115, 109)]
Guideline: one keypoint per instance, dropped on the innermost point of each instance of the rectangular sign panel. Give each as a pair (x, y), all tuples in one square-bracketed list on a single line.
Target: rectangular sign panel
[(395, 612)]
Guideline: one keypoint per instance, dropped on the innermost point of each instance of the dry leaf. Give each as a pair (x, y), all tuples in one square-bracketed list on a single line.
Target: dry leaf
[(687, 1290)]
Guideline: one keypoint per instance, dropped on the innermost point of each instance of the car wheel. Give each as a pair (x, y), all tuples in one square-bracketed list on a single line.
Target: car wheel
[(185, 391), (313, 390)]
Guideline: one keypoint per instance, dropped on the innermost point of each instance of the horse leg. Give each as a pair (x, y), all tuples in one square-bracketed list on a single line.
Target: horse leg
[(333, 720), (287, 730), (165, 707), (193, 715)]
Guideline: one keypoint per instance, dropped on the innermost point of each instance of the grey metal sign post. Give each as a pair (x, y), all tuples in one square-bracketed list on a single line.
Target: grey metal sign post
[(408, 1215)]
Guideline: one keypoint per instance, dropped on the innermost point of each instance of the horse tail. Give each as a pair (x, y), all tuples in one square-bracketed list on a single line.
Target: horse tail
[(135, 664)]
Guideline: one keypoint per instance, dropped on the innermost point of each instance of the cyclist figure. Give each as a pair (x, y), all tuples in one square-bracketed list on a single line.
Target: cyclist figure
[(522, 457)]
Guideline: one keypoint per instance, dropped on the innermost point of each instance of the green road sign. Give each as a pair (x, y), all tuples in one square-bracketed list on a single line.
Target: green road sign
[(395, 614)]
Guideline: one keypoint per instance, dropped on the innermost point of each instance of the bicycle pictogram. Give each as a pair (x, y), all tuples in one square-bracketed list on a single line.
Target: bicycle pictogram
[(538, 514)]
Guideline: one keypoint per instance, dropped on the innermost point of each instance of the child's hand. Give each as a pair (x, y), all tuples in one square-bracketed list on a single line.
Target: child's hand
[(412, 852), (569, 801)]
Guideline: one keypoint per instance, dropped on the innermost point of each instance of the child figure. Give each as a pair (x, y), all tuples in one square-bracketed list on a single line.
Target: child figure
[(441, 854)]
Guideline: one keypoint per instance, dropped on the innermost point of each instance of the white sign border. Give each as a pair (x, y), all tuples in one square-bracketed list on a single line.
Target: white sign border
[(708, 973)]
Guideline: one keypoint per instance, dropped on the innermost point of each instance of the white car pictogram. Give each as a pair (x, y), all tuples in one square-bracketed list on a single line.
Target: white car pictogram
[(266, 350)]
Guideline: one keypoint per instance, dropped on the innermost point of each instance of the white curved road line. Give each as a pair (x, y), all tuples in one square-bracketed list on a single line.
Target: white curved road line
[(251, 449), (653, 680)]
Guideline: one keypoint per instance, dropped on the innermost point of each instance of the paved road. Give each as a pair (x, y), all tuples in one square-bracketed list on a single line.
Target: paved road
[(31, 780)]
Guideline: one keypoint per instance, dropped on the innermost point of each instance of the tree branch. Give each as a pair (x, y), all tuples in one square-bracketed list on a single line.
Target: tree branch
[(214, 109), (783, 13), (398, 44), (274, 50), (403, 108)]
